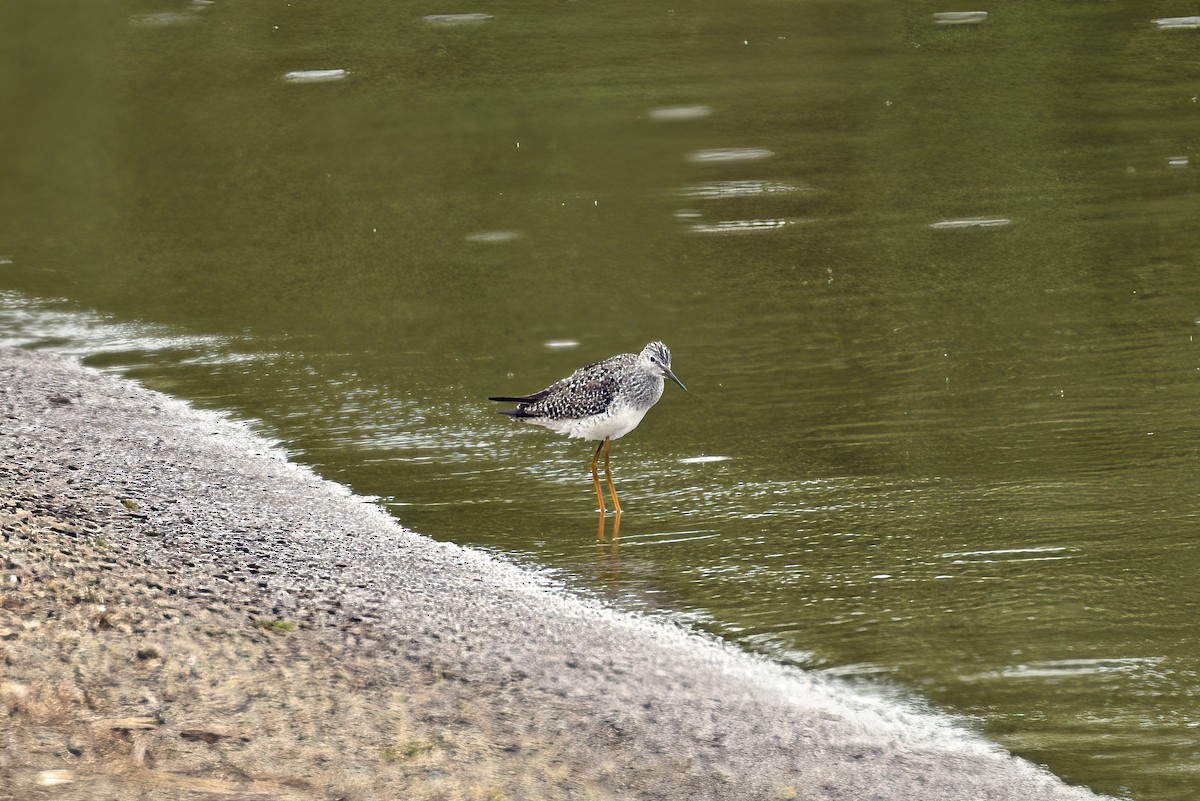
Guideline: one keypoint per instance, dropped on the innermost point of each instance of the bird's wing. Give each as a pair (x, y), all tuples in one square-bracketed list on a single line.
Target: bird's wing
[(588, 391)]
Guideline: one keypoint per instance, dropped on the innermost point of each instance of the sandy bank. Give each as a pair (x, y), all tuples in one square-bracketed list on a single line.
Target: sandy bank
[(148, 549)]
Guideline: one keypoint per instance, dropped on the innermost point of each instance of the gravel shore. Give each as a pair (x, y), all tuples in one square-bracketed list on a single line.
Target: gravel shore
[(185, 614)]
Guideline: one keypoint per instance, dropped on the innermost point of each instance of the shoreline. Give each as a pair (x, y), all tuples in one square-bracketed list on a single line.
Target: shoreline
[(184, 611)]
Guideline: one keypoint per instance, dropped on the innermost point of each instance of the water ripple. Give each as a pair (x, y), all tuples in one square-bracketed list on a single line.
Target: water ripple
[(456, 19), (1177, 23), (678, 113), (34, 323), (972, 222), (667, 537), (960, 17), (315, 76), (1068, 668), (161, 19), (1047, 553), (719, 155), (727, 189), (743, 226), (493, 237)]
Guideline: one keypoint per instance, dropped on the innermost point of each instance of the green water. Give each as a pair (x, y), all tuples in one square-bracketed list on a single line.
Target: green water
[(954, 459)]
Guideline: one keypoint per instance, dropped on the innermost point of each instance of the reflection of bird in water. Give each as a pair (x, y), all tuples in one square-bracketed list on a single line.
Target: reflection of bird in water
[(603, 401)]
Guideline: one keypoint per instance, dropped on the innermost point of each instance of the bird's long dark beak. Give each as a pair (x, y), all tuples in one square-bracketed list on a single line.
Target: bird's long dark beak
[(672, 376)]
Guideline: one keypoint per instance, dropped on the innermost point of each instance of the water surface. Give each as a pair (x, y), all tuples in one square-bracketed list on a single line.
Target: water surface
[(932, 287)]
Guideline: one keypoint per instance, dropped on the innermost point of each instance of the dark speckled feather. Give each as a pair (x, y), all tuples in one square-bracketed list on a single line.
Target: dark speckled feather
[(588, 391)]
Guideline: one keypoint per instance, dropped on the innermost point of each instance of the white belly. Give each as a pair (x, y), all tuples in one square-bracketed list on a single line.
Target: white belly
[(601, 426)]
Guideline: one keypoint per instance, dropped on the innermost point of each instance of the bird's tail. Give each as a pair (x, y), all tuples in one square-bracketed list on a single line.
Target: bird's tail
[(518, 412)]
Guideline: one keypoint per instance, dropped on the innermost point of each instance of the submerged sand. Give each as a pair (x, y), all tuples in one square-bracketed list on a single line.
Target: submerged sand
[(186, 614)]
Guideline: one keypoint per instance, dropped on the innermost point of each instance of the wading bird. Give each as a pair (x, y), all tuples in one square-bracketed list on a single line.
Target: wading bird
[(603, 401)]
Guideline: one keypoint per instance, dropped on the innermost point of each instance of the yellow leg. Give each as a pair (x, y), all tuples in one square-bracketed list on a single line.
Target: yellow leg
[(608, 474), (596, 478)]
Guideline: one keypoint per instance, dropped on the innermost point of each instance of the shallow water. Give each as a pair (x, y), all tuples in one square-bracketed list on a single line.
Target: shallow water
[(932, 288)]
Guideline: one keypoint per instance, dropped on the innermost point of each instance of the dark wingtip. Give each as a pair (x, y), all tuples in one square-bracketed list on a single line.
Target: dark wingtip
[(518, 412)]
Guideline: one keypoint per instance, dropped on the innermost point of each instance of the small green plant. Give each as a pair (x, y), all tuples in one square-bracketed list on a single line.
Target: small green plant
[(415, 748), (410, 749), (101, 543), (279, 626)]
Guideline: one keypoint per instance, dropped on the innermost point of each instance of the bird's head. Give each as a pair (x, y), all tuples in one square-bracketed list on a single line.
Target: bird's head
[(657, 357)]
